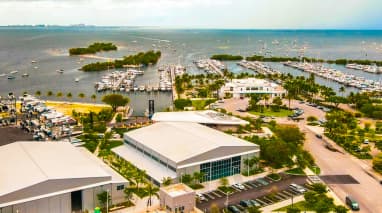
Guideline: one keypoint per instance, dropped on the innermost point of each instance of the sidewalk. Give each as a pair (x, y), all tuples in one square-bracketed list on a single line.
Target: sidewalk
[(212, 185), (141, 206)]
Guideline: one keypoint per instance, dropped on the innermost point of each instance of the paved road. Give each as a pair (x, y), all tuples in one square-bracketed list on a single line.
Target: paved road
[(252, 193), (368, 192)]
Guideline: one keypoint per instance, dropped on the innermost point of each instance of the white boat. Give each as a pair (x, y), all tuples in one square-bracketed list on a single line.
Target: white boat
[(14, 72), (25, 75), (35, 68), (33, 62), (11, 77), (2, 74), (142, 88), (76, 79), (60, 71)]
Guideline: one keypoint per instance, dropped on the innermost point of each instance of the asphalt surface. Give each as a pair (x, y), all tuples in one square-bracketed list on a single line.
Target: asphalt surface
[(12, 134), (368, 191), (253, 193)]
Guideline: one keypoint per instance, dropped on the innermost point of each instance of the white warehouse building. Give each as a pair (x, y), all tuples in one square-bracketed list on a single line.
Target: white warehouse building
[(241, 87), (173, 149), (45, 177)]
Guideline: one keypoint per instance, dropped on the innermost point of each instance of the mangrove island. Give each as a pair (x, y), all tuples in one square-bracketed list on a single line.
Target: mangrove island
[(142, 58), (92, 49)]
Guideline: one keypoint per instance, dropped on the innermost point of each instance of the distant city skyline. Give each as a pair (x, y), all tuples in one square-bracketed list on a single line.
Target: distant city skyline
[(224, 14)]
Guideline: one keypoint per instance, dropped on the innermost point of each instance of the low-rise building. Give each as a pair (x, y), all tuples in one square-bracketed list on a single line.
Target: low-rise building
[(173, 149), (45, 177), (177, 198), (209, 118), (241, 87)]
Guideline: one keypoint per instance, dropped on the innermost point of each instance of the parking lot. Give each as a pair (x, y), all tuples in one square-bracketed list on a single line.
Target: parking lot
[(13, 134), (257, 190)]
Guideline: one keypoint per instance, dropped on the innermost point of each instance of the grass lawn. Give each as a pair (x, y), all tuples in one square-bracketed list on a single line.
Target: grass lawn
[(67, 107), (268, 112), (201, 104), (300, 205), (275, 177), (295, 171)]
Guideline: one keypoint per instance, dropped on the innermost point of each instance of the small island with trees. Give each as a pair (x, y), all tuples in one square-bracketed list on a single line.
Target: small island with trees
[(93, 48), (142, 58), (226, 57), (341, 61)]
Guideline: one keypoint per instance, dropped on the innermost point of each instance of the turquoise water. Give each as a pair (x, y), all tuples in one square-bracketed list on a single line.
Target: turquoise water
[(48, 46)]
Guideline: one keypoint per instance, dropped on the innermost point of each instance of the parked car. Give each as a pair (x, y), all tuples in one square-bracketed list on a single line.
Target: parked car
[(233, 209), (255, 203), (297, 188), (353, 204), (239, 186), (245, 203), (200, 197)]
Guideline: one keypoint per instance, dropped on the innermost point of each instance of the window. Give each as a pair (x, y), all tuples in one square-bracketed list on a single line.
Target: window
[(219, 169), (120, 187)]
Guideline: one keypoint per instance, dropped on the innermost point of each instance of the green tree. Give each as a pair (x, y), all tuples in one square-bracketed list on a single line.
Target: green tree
[(182, 103), (94, 97), (186, 178), (151, 191), (253, 209), (340, 209), (103, 197), (377, 163), (128, 194), (319, 188), (214, 208), (49, 93), (59, 94), (197, 177), (118, 118), (69, 95), (166, 181), (115, 100), (224, 182), (81, 95), (278, 102), (293, 210)]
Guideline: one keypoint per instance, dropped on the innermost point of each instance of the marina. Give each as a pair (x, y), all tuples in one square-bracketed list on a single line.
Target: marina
[(210, 66), (366, 68), (258, 67), (124, 81), (365, 85)]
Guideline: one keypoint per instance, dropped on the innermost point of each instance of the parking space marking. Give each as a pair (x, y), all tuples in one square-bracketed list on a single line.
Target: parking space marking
[(279, 197), (247, 185), (286, 192), (209, 196), (268, 200), (252, 184), (216, 194), (261, 202), (282, 195)]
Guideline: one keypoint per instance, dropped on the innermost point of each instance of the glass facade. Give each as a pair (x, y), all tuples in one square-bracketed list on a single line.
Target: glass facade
[(223, 168)]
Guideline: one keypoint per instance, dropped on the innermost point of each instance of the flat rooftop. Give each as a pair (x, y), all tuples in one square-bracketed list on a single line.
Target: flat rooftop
[(202, 117), (183, 142), (177, 189)]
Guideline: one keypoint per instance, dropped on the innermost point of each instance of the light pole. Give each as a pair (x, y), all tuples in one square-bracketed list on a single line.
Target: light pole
[(107, 200)]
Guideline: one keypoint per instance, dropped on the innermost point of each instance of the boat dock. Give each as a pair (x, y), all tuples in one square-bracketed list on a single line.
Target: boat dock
[(358, 82), (167, 77), (366, 68), (211, 66), (258, 67)]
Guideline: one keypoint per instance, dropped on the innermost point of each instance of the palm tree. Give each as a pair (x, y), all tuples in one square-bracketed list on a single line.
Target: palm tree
[(81, 95), (69, 95), (49, 93), (197, 176), (38, 93), (342, 90), (128, 194), (93, 97), (266, 99), (151, 191), (59, 94), (139, 177), (166, 181)]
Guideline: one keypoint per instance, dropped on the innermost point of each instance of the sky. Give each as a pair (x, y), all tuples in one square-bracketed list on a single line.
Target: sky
[(228, 14)]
